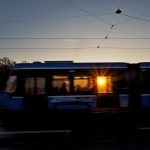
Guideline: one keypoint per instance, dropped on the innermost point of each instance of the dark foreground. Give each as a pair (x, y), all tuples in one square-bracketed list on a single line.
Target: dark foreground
[(111, 132), (99, 139)]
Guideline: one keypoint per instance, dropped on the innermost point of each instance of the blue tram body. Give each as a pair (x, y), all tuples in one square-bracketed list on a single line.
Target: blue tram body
[(56, 88), (15, 100)]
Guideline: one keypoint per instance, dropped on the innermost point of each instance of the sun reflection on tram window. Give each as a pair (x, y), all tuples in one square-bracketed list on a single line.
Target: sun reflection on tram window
[(104, 84)]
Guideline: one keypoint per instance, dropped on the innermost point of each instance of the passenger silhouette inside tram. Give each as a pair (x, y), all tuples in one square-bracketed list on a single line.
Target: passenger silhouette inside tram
[(63, 88), (78, 89)]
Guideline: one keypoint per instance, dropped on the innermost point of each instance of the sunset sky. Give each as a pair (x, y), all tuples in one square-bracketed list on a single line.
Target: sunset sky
[(51, 30)]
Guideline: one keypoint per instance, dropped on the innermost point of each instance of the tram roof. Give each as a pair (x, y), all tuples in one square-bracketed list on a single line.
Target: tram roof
[(68, 65)]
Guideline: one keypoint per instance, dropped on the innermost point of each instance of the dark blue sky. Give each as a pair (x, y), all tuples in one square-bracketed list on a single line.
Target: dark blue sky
[(76, 19)]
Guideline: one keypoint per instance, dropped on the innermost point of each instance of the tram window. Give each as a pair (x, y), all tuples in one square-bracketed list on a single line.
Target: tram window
[(29, 86), (83, 85), (35, 85), (40, 85), (11, 84), (145, 82), (121, 85), (104, 84), (60, 85)]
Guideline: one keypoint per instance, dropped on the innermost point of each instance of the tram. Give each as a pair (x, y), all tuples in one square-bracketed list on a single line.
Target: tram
[(62, 89)]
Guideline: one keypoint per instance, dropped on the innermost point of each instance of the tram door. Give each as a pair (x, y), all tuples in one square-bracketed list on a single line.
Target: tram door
[(35, 93)]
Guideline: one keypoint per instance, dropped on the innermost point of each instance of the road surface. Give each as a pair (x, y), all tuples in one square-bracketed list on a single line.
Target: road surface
[(20, 139)]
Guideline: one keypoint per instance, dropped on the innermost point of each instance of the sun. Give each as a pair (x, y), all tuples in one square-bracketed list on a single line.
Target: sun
[(101, 80)]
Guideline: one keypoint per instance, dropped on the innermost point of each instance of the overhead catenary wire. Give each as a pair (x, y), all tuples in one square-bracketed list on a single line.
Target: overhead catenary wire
[(129, 48), (134, 17), (121, 3), (106, 37), (43, 48), (87, 12), (130, 19), (119, 11), (85, 48), (50, 18), (75, 38)]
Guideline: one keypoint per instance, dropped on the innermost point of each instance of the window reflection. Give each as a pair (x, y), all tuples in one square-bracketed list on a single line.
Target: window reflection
[(104, 84), (35, 85), (60, 85), (29, 86), (41, 82), (83, 84), (11, 84)]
